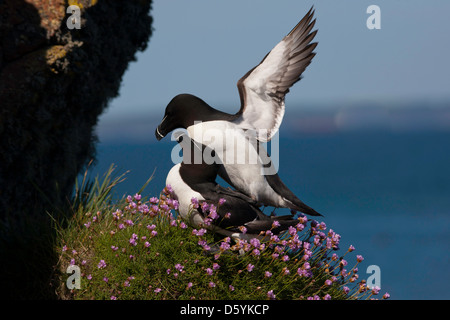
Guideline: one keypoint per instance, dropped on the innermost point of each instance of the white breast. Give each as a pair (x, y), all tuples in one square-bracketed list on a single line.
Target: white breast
[(183, 193)]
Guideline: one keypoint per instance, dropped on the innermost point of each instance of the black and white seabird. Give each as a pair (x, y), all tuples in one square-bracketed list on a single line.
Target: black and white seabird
[(189, 179), (262, 91)]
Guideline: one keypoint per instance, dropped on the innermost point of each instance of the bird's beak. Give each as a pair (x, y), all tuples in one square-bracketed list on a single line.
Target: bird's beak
[(158, 134)]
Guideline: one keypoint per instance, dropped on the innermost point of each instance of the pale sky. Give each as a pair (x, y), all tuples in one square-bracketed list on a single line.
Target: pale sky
[(203, 47)]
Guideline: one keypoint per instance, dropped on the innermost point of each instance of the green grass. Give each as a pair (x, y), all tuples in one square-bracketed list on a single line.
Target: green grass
[(139, 248)]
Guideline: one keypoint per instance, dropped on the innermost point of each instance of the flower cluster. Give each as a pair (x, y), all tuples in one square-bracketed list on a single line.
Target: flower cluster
[(143, 247)]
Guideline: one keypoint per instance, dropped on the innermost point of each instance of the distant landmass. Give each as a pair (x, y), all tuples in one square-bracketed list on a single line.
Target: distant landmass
[(321, 119)]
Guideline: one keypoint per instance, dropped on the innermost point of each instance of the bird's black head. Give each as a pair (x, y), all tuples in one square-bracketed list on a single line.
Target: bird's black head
[(181, 112)]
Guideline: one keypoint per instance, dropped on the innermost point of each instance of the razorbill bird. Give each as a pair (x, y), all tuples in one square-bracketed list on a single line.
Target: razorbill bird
[(239, 136), (234, 210)]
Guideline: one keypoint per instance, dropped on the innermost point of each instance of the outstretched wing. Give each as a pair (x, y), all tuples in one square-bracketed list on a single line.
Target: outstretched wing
[(263, 88)]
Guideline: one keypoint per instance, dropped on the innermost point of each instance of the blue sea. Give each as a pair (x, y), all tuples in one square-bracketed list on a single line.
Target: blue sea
[(387, 193)]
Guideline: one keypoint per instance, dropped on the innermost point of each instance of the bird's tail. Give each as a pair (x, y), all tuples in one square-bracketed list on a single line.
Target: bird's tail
[(297, 205), (291, 200)]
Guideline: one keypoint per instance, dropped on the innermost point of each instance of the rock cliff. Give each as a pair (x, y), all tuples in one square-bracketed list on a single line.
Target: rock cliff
[(55, 80)]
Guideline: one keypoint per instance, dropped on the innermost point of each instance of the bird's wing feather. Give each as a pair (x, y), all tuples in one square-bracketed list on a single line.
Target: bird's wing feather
[(263, 88)]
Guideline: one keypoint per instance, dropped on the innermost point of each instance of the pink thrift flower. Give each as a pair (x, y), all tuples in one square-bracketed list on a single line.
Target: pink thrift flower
[(154, 200), (179, 267), (375, 290), (255, 242), (194, 202), (205, 206), (201, 232), (243, 229), (101, 264), (213, 214), (224, 246), (303, 219), (168, 189), (292, 230)]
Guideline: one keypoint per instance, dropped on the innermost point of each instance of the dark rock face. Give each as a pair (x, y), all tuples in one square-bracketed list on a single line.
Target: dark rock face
[(54, 83)]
